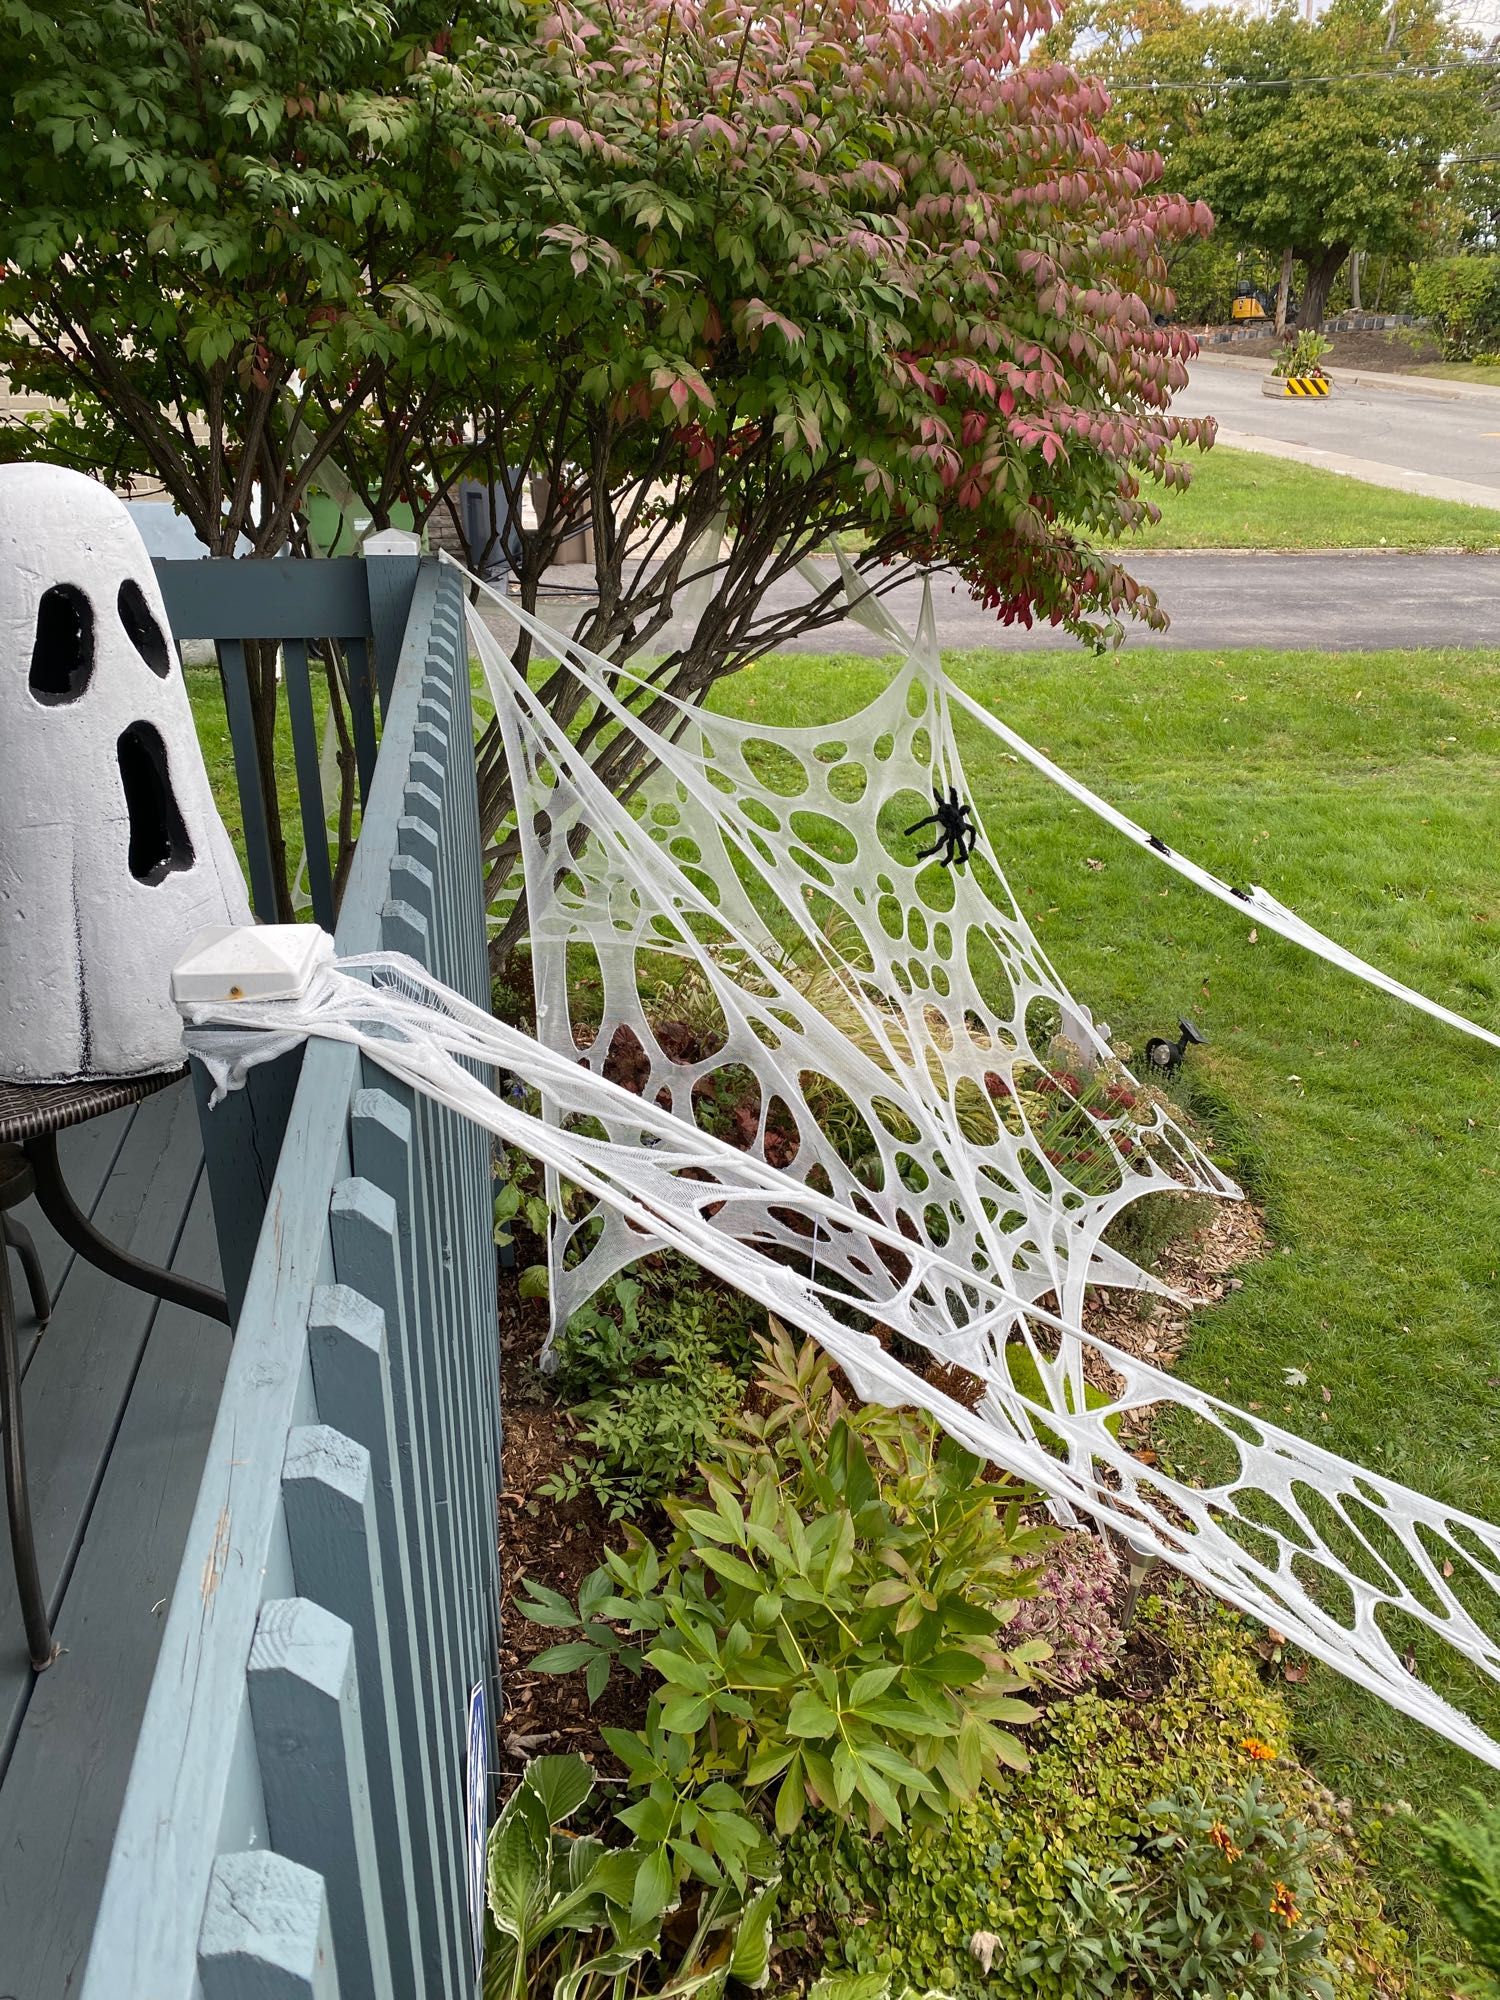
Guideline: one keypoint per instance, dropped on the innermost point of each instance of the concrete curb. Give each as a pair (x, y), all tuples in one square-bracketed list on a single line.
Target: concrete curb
[(1390, 385)]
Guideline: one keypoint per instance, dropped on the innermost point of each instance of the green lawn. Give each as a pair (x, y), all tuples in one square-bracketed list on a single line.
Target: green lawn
[(1462, 371), (1244, 500), (1361, 789), (206, 695)]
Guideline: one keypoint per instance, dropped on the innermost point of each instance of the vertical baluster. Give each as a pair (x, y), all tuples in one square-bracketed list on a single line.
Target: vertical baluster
[(361, 676), (265, 1933), (241, 719), (367, 1256), (413, 881), (309, 779), (460, 880), (352, 1383), (384, 1130), (328, 1496), (304, 1707), (435, 1213)]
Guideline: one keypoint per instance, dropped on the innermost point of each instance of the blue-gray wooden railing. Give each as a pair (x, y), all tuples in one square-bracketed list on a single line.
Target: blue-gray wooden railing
[(298, 1821), (358, 608)]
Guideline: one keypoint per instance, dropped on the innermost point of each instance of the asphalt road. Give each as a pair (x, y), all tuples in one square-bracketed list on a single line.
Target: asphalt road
[(1436, 438), (1335, 603)]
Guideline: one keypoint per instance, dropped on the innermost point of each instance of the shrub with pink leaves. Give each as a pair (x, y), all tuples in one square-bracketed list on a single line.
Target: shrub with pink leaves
[(1073, 1610)]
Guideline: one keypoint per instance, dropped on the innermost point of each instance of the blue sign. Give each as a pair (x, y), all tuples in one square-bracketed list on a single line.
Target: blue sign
[(478, 1811)]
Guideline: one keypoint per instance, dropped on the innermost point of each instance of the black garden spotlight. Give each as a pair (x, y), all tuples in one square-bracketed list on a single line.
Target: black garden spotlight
[(1164, 1058)]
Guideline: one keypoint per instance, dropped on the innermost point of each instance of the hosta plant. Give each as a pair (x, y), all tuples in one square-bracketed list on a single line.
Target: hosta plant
[(827, 1621), (571, 1917)]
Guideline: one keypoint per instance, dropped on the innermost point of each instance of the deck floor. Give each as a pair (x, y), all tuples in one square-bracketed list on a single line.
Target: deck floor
[(120, 1394)]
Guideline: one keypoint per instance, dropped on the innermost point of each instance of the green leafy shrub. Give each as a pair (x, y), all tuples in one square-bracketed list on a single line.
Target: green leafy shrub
[(827, 1620), (1209, 1907), (656, 1372), (998, 1868), (1302, 354), (569, 1915), (1461, 296), (520, 1197), (1466, 1854)]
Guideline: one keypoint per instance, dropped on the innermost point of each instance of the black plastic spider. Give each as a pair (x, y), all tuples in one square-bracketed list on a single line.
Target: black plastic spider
[(958, 836)]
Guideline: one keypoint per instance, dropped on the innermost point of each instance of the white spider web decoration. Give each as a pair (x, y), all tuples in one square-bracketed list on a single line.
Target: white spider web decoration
[(941, 1231), (922, 986), (878, 1011)]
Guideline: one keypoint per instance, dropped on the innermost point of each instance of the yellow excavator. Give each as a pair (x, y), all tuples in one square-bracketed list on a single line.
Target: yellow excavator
[(1250, 302)]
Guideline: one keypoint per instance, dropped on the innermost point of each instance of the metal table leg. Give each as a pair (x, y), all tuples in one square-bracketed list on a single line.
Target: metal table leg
[(39, 1640), (75, 1229), (19, 1239)]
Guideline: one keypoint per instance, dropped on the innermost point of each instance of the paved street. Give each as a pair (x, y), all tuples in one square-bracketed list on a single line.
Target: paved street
[(1340, 603), (1446, 447)]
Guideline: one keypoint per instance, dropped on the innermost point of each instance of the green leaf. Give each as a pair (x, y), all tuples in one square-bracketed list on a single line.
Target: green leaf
[(534, 1282), (852, 1986), (734, 1569), (769, 1760), (681, 1672), (596, 1677), (561, 1784), (563, 1659), (791, 1800), (519, 1869), (750, 1960), (653, 1888), (685, 1713), (542, 1606), (810, 1715)]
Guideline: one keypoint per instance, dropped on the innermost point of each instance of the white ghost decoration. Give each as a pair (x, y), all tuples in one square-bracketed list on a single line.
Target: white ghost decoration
[(112, 854)]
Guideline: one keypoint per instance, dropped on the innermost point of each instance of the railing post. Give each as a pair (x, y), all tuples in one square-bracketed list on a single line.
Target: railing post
[(352, 1381), (304, 1704), (392, 560), (327, 1491), (265, 1932)]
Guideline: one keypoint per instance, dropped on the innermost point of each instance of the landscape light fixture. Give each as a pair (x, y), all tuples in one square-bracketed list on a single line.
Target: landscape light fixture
[(1165, 1058)]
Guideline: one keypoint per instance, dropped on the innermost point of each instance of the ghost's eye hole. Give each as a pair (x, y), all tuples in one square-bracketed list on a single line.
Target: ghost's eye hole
[(62, 658), (142, 629), (159, 843)]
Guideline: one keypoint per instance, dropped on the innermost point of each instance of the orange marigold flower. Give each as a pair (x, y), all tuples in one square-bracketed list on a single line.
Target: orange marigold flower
[(1218, 1833), (1283, 1905), (1261, 1752)]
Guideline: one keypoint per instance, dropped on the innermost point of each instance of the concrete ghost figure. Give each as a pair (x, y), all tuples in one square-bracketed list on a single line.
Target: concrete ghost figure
[(112, 854)]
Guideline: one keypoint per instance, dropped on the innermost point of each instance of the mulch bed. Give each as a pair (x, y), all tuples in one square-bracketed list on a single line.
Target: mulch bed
[(559, 1544), (1392, 353), (550, 1543)]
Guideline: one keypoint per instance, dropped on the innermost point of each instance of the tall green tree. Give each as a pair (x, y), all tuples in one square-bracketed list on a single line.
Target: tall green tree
[(728, 279), (228, 261), (1317, 137)]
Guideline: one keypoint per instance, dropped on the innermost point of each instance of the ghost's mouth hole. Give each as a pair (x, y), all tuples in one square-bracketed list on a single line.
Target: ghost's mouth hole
[(159, 844), (142, 629), (62, 654)]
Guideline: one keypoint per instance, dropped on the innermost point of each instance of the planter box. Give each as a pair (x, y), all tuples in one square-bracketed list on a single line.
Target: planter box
[(1296, 385)]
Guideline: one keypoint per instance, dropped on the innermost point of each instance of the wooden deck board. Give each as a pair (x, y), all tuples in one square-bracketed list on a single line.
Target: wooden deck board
[(120, 1402), (82, 1369), (87, 1152)]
